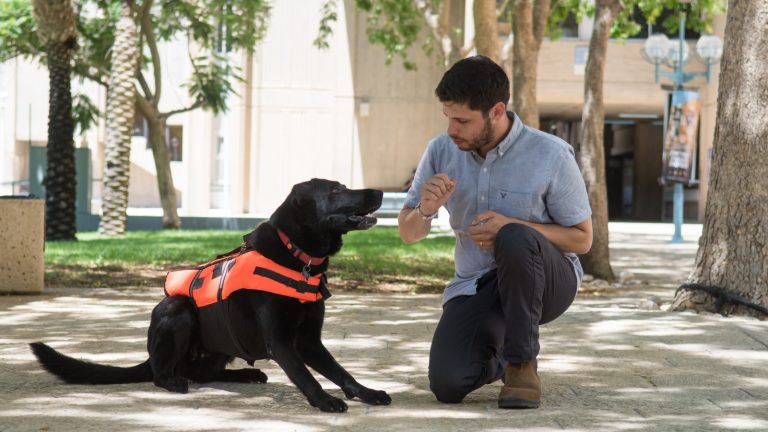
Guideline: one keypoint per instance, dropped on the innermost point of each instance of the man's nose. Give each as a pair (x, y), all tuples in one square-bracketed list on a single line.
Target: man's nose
[(453, 130)]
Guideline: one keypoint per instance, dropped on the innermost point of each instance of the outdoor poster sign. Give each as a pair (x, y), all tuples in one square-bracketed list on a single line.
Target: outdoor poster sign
[(681, 136)]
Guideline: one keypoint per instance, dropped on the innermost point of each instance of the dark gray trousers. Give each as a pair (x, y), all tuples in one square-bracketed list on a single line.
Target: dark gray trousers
[(477, 335)]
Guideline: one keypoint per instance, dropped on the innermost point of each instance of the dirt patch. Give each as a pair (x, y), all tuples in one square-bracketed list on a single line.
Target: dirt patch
[(116, 276), (103, 276)]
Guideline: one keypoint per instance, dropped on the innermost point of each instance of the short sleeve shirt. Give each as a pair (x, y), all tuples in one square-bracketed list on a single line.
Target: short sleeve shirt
[(530, 175)]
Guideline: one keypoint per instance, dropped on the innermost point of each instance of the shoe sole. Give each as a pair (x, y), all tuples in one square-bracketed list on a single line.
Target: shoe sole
[(518, 404)]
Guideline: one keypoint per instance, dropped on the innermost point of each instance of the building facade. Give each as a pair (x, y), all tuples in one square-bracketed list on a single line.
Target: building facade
[(341, 113)]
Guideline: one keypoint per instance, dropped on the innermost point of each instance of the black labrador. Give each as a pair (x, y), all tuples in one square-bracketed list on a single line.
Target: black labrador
[(263, 325)]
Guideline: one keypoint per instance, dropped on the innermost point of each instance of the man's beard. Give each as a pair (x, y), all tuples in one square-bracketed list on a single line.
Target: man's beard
[(484, 138)]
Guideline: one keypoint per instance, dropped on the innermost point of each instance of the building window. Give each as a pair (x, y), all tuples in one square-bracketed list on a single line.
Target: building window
[(140, 128), (175, 138)]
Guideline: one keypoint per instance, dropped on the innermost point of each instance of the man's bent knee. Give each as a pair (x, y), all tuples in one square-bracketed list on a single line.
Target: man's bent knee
[(514, 239), (448, 390)]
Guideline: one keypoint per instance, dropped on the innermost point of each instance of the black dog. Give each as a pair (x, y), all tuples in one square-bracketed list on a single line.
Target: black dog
[(187, 341)]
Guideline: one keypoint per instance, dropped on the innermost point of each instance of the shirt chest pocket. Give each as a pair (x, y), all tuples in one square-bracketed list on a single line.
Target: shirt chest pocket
[(512, 204)]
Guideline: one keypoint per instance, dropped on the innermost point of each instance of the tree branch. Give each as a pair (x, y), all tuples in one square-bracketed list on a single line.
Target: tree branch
[(541, 11), (501, 8), (145, 107), (144, 86), (194, 106), (438, 26)]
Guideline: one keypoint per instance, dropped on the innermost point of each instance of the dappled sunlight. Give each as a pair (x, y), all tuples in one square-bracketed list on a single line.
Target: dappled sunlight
[(405, 322), (639, 328), (353, 342), (439, 412), (566, 363), (173, 417), (716, 352), (742, 423), (605, 366), (20, 318)]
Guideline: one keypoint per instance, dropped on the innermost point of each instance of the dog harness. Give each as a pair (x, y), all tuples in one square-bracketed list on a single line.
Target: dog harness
[(216, 280), (210, 285)]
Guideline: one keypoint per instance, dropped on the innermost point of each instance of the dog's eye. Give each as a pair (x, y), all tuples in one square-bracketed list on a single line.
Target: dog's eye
[(338, 189)]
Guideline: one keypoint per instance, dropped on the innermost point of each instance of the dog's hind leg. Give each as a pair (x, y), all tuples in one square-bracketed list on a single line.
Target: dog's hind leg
[(209, 367), (242, 376), (171, 329)]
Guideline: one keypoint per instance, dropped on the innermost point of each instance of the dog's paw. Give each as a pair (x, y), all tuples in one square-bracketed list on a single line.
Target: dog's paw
[(174, 384), (373, 397), (257, 376), (328, 403)]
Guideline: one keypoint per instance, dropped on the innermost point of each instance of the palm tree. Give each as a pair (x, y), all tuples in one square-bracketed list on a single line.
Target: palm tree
[(121, 98), (56, 29)]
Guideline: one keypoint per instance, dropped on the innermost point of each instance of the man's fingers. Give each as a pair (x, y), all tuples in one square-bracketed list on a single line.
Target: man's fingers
[(443, 177), (439, 185)]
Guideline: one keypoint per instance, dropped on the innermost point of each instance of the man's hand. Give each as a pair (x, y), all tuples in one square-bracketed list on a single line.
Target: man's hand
[(435, 192), (485, 226), (576, 238)]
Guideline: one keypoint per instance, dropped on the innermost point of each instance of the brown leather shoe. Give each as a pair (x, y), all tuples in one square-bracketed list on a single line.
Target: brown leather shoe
[(522, 386)]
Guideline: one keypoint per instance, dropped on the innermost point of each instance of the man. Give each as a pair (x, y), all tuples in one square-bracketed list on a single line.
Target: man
[(520, 212)]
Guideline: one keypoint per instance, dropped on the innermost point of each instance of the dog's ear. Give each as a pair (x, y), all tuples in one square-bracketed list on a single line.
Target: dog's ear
[(300, 195)]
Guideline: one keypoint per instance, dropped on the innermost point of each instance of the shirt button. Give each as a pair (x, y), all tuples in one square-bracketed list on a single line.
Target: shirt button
[(482, 198), (485, 169)]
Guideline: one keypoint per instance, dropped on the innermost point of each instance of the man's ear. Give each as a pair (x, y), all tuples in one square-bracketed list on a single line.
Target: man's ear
[(498, 111)]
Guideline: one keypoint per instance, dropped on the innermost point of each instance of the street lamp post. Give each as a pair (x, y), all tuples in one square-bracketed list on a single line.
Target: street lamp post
[(659, 49)]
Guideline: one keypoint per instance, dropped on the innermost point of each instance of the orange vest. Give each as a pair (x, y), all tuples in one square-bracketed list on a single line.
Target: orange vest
[(216, 280)]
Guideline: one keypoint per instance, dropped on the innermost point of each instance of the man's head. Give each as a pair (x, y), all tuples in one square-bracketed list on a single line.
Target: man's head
[(477, 82), (475, 93)]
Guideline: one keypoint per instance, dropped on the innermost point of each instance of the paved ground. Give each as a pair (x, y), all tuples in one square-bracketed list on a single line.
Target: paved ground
[(607, 365)]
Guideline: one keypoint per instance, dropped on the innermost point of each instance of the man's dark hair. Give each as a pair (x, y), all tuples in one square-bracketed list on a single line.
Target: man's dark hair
[(477, 82)]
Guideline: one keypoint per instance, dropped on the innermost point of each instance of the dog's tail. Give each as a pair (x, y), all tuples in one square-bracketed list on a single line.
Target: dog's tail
[(74, 371)]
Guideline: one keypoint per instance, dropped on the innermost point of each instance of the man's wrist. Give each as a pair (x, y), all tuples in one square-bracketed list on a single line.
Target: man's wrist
[(425, 216)]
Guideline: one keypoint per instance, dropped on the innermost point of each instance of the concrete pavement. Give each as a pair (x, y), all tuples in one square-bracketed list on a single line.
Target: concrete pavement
[(609, 364)]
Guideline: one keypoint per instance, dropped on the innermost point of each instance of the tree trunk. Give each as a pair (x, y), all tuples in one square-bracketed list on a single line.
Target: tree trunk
[(56, 29), (597, 261), (451, 18), (733, 249), (528, 25), (163, 167), (121, 99), (486, 29)]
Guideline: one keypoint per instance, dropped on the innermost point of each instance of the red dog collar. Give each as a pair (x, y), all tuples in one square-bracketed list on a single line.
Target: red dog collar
[(298, 253)]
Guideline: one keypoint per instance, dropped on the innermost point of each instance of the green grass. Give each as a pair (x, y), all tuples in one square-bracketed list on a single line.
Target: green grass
[(141, 258)]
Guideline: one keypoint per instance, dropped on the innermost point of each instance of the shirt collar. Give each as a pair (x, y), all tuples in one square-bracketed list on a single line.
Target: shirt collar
[(506, 143), (514, 132)]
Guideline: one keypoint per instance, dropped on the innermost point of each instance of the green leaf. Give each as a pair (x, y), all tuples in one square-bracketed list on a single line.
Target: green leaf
[(84, 112), (18, 36)]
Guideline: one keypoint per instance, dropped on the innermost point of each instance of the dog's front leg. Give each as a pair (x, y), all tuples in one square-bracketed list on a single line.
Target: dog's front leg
[(283, 351), (317, 357)]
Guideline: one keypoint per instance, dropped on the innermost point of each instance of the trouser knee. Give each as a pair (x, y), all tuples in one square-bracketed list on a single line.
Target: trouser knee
[(448, 389), (517, 242)]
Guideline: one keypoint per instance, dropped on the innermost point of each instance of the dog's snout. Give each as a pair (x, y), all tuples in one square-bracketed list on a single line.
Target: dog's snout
[(378, 196)]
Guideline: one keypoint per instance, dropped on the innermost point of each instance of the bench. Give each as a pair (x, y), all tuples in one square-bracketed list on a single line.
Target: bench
[(392, 203)]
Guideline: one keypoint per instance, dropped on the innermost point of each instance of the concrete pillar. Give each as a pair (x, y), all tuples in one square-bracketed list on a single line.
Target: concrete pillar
[(22, 234)]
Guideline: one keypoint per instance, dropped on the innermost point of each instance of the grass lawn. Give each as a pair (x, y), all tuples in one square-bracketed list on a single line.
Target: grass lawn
[(371, 260)]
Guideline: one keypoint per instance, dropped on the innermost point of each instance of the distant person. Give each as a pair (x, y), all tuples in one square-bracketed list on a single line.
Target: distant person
[(520, 212)]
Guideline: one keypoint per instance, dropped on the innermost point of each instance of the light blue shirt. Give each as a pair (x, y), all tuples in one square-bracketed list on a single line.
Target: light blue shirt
[(531, 175)]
